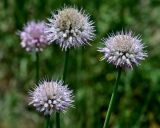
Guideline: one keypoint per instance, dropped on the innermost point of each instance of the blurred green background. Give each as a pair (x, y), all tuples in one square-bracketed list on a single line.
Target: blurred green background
[(138, 102)]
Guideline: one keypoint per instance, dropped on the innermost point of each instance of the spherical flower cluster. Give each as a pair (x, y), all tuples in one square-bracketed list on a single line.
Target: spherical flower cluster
[(70, 28), (49, 97), (123, 49), (33, 36)]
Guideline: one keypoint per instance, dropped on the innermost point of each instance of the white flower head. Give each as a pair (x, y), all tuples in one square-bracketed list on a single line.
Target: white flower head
[(33, 37), (123, 49), (51, 96), (70, 27)]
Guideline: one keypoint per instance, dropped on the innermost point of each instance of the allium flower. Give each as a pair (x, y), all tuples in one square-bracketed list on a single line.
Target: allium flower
[(70, 28), (123, 49), (33, 36), (49, 97)]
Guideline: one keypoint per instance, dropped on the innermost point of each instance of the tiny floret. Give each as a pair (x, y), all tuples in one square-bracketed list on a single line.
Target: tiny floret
[(33, 37), (52, 96), (70, 28), (123, 49)]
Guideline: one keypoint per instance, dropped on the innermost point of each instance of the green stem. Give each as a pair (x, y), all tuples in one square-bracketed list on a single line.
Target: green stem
[(64, 80), (48, 124), (111, 103), (65, 65), (79, 64), (57, 120), (37, 66)]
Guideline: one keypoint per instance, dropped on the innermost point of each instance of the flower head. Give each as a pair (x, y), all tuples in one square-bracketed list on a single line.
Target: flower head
[(70, 28), (123, 49), (33, 36), (49, 97)]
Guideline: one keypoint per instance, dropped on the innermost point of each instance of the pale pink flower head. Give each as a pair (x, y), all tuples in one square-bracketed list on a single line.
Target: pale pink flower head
[(70, 28), (123, 49), (51, 96), (33, 37)]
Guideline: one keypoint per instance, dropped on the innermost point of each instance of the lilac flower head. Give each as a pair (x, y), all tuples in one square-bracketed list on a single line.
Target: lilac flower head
[(52, 96), (33, 37), (123, 49), (70, 28)]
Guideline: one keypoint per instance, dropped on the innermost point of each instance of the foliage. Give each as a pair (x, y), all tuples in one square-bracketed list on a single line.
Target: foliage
[(138, 99)]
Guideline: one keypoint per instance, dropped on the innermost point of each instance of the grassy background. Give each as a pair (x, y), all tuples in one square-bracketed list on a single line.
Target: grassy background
[(138, 102)]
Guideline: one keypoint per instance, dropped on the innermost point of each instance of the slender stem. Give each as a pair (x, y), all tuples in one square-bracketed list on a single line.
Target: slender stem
[(48, 125), (65, 65), (57, 120), (37, 66), (111, 103), (79, 64), (64, 80)]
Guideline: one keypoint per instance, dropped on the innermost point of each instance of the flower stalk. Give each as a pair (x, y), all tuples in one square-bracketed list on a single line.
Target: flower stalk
[(65, 65), (112, 100), (48, 121), (37, 67), (57, 120), (64, 79)]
